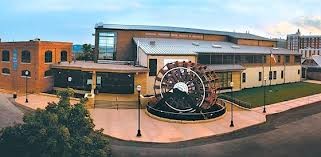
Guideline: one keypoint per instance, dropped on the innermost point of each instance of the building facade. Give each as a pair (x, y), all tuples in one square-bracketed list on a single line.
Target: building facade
[(33, 56), (307, 45)]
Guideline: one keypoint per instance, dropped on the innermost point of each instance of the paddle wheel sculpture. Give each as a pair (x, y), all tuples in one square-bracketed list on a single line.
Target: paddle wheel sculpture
[(185, 91)]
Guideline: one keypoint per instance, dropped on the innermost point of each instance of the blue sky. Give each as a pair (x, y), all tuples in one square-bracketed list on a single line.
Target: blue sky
[(74, 20)]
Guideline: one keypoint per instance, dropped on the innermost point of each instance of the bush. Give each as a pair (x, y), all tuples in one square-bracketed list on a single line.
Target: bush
[(59, 130)]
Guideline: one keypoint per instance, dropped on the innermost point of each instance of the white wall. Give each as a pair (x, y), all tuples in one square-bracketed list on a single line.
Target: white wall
[(252, 75)]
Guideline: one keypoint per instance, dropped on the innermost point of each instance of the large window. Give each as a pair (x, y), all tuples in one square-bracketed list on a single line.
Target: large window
[(230, 59), (287, 59), (48, 57), (152, 67), (5, 71), (63, 56), (260, 76), (25, 57), (48, 73), (225, 78), (297, 59), (274, 75), (5, 56), (107, 45)]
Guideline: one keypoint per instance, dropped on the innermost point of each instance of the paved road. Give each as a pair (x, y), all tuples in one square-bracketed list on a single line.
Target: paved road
[(294, 133), (9, 114)]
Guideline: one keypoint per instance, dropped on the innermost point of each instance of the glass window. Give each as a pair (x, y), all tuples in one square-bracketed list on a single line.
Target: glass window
[(63, 56), (48, 57), (107, 45), (274, 75), (204, 59), (5, 55), (279, 58), (152, 67), (25, 57), (287, 59), (5, 71), (243, 77), (228, 59), (224, 78), (23, 73), (297, 59), (282, 74), (216, 59), (270, 75), (48, 73), (260, 76)]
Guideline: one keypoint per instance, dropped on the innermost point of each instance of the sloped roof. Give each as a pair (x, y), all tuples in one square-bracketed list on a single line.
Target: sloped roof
[(182, 30), (317, 59), (165, 46)]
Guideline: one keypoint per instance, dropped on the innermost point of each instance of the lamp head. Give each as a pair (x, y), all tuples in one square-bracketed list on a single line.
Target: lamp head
[(26, 72), (139, 88), (231, 84)]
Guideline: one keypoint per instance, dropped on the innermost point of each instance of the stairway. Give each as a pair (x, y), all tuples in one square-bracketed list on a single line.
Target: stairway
[(116, 101)]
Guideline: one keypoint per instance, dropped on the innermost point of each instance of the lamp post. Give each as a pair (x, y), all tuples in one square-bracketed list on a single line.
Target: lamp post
[(232, 123), (69, 80), (264, 110), (26, 75), (138, 88)]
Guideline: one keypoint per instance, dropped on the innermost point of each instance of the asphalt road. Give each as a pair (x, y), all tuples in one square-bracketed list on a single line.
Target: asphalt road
[(9, 113), (294, 133)]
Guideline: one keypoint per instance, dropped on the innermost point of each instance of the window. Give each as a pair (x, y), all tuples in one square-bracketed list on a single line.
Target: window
[(224, 78), (63, 56), (287, 59), (270, 75), (23, 73), (107, 45), (228, 59), (297, 59), (5, 71), (264, 59), (48, 57), (152, 67), (5, 56), (299, 71), (243, 77), (274, 75), (279, 59), (260, 76), (48, 73), (204, 59), (282, 74), (25, 57)]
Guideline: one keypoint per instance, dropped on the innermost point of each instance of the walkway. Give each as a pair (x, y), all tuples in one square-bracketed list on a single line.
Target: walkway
[(9, 114)]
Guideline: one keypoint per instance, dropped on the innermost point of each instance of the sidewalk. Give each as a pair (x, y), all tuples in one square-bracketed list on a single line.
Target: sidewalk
[(287, 105)]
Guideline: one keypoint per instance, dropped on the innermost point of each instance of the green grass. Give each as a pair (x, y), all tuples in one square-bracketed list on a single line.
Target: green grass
[(276, 93)]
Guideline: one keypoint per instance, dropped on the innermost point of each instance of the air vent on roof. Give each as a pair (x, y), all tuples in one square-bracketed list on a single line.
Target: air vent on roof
[(275, 48), (153, 43), (196, 44), (216, 46), (236, 47)]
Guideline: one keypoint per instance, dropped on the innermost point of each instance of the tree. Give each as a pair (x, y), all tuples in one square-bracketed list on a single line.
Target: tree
[(60, 130), (88, 53)]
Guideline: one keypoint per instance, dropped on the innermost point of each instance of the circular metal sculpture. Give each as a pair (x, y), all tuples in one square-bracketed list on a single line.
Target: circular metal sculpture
[(185, 88)]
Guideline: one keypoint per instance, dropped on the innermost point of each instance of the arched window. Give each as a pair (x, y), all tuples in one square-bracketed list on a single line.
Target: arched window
[(5, 71), (63, 56), (25, 57), (5, 55), (23, 73), (48, 57), (48, 73)]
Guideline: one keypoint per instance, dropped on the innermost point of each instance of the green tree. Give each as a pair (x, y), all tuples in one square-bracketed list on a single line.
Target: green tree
[(61, 129), (87, 53)]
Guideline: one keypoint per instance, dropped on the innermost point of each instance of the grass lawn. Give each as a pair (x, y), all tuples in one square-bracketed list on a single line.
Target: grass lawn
[(276, 93)]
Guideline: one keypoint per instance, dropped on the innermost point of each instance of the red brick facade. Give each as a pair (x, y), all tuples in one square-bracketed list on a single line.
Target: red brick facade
[(37, 82)]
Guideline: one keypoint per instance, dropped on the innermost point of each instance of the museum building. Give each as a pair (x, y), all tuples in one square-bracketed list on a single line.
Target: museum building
[(131, 55)]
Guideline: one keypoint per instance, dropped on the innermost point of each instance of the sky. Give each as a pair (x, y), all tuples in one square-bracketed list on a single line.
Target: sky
[(74, 20)]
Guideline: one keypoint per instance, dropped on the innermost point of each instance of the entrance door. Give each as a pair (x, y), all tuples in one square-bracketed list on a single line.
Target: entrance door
[(115, 83)]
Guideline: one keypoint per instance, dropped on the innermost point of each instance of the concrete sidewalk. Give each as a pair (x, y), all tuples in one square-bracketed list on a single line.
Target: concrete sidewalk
[(287, 105)]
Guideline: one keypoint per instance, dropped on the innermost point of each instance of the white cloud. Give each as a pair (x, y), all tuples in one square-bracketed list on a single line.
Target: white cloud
[(307, 25)]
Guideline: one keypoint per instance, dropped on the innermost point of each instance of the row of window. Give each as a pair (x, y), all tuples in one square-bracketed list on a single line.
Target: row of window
[(6, 71), (272, 75), (26, 56)]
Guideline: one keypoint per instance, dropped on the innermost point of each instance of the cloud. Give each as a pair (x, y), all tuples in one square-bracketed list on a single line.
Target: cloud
[(306, 24)]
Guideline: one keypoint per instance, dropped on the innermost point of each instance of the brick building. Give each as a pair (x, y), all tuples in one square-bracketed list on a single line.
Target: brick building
[(307, 45), (34, 56)]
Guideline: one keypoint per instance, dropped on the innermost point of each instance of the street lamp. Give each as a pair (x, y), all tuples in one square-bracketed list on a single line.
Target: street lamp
[(138, 88), (232, 123), (26, 75), (264, 110), (69, 80)]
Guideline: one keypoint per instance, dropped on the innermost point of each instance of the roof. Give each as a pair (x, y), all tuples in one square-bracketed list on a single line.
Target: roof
[(165, 46), (225, 67), (317, 59), (180, 29), (89, 66)]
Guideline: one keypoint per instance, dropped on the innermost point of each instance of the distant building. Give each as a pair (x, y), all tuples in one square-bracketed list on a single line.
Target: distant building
[(312, 68), (307, 45)]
